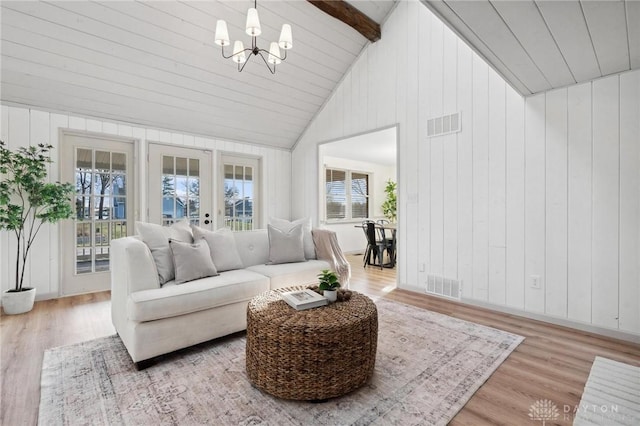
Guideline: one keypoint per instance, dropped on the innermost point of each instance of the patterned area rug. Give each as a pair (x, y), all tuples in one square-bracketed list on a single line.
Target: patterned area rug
[(428, 366)]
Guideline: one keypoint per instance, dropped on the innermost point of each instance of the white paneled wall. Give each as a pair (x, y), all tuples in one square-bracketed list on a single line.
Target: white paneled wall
[(23, 127), (546, 186)]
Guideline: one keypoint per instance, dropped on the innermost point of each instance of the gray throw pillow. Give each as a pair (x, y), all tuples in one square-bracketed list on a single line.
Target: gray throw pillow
[(285, 247), (222, 246), (307, 238), (157, 237), (191, 261)]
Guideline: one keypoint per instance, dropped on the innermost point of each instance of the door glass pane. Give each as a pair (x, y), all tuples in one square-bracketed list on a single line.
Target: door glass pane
[(100, 206), (239, 197), (103, 161), (180, 189), (119, 185), (83, 248), (119, 162), (167, 165)]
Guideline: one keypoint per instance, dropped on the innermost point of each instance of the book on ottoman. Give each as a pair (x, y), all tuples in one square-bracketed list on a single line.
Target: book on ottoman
[(304, 299)]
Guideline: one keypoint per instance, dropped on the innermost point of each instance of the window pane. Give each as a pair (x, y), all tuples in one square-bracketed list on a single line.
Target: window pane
[(167, 165), (359, 195), (118, 185), (119, 210), (119, 162), (181, 166), (84, 160), (103, 161), (102, 184), (83, 208), (194, 167), (336, 197)]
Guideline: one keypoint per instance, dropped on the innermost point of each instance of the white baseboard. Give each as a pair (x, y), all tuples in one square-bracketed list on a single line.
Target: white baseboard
[(607, 332)]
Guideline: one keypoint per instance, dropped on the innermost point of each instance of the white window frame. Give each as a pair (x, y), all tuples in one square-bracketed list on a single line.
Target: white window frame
[(348, 210)]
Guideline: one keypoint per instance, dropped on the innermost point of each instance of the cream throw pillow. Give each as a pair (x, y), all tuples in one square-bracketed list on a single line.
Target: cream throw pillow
[(222, 247), (191, 261), (285, 225), (157, 237), (285, 247)]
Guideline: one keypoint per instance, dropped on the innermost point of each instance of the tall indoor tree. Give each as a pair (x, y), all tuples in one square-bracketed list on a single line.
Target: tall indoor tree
[(28, 200)]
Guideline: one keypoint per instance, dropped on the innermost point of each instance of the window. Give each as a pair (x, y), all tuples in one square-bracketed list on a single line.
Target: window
[(346, 195)]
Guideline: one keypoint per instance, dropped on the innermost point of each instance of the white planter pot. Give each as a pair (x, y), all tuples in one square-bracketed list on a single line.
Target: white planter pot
[(331, 295), (18, 302)]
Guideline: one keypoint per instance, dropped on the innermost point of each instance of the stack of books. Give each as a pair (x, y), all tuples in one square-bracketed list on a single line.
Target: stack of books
[(304, 299)]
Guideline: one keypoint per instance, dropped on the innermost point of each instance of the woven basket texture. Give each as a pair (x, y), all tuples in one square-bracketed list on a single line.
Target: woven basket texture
[(314, 354)]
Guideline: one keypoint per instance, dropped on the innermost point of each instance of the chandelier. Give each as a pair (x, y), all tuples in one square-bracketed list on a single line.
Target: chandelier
[(253, 29)]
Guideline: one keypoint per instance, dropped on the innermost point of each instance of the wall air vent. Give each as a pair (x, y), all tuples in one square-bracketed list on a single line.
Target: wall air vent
[(444, 125), (441, 286)]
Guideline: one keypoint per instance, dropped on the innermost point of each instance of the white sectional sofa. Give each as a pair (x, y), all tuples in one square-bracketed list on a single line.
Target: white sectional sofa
[(153, 320)]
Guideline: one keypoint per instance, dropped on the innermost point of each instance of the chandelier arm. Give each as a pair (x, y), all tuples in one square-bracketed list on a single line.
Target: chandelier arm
[(235, 54), (273, 71), (244, 64), (275, 56)]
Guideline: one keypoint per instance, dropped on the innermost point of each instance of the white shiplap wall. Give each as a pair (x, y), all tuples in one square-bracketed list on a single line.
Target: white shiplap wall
[(548, 185), (23, 127)]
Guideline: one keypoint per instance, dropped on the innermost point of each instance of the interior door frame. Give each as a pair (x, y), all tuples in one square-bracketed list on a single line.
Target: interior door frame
[(133, 177), (212, 173)]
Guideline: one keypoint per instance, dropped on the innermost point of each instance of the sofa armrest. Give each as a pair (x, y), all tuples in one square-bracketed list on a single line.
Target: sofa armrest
[(132, 269)]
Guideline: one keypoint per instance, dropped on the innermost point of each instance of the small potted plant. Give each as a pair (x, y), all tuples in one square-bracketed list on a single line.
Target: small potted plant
[(328, 283), (27, 201)]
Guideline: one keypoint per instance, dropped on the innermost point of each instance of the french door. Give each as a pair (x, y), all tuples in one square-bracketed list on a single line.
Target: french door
[(240, 177), (102, 171), (179, 185)]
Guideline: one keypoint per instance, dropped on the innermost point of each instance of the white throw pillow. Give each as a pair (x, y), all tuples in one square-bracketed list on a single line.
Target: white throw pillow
[(285, 225), (192, 261), (285, 247), (222, 247), (157, 237)]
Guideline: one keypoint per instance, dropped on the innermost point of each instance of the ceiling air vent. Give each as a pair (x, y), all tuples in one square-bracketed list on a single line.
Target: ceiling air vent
[(443, 125)]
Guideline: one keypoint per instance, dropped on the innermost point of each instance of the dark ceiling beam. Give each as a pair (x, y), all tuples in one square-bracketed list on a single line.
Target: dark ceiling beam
[(351, 16)]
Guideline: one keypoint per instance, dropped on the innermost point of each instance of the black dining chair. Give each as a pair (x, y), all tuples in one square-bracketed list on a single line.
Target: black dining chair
[(375, 246), (388, 236)]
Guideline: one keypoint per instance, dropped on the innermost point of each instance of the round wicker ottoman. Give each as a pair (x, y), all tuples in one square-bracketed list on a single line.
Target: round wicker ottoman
[(313, 354)]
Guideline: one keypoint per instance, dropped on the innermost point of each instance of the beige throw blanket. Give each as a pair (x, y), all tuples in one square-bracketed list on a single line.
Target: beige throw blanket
[(328, 249)]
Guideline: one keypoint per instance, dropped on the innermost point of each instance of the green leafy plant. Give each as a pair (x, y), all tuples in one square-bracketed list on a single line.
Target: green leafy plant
[(27, 200), (390, 204), (327, 280)]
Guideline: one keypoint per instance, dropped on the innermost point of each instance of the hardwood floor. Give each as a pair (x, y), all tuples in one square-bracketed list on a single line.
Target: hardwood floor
[(552, 363)]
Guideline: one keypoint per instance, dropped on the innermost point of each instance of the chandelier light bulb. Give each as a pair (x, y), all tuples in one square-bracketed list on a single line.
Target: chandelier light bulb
[(253, 23)]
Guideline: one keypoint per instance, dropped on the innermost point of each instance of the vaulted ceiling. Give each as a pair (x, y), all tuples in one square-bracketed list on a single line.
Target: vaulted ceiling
[(545, 44), (155, 64)]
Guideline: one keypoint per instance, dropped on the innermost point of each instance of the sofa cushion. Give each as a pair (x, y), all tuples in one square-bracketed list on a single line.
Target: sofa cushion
[(285, 246), (222, 246), (172, 300), (285, 225), (253, 246), (288, 274), (157, 237), (192, 261)]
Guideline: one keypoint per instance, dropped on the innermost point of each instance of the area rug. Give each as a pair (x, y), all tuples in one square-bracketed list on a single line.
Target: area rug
[(611, 395), (427, 367)]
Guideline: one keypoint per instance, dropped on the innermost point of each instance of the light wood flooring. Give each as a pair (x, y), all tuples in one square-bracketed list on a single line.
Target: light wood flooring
[(552, 363)]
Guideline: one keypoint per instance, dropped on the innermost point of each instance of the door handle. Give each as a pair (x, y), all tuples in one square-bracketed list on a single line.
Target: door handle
[(206, 222)]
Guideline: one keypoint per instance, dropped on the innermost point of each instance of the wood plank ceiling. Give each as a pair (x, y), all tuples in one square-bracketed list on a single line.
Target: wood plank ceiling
[(155, 64), (545, 44)]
